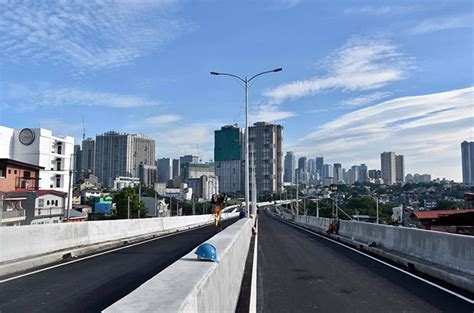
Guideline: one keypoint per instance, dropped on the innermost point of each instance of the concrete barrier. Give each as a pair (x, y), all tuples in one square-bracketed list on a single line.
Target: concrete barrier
[(448, 257), (34, 240), (449, 250), (319, 223), (189, 285)]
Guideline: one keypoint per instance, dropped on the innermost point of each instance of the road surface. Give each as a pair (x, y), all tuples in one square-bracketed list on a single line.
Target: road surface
[(301, 272), (95, 283)]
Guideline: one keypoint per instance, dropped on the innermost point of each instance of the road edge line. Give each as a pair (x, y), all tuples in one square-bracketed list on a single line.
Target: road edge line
[(387, 264), (253, 288)]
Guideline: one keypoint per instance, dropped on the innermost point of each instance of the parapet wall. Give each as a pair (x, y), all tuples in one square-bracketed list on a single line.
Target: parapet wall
[(448, 257), (189, 285), (33, 240), (449, 250)]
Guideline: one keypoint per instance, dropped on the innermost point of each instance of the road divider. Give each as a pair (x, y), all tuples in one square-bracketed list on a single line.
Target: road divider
[(190, 285)]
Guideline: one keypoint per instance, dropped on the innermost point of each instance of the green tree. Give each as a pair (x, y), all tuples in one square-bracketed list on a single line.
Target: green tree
[(137, 208), (448, 205)]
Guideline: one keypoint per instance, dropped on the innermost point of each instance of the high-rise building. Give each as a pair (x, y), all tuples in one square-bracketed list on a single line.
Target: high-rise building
[(88, 157), (228, 158), (77, 163), (399, 169), (290, 159), (266, 156), (165, 170), (120, 154), (319, 165), (355, 172), (467, 155), (363, 173), (176, 173), (327, 171), (184, 162), (302, 164), (147, 174), (388, 166), (311, 166), (338, 173)]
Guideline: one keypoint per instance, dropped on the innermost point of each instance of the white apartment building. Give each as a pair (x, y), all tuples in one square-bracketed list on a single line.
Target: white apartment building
[(39, 147)]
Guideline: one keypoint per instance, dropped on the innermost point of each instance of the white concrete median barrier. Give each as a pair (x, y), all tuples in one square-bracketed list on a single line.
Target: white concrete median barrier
[(189, 285)]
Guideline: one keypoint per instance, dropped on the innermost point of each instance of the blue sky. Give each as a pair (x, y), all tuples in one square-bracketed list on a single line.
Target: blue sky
[(359, 77)]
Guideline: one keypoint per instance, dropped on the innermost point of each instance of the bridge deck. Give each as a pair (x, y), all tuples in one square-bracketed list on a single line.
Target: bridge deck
[(95, 283), (301, 272)]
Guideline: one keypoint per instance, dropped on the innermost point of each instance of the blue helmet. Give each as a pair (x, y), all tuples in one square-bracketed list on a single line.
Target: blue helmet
[(207, 251)]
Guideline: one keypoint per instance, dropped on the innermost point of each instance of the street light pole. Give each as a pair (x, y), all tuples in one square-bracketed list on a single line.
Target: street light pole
[(247, 166), (377, 208), (246, 81)]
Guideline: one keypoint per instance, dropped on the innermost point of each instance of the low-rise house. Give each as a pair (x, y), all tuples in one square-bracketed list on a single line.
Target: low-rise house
[(11, 210), (42, 206), (15, 175)]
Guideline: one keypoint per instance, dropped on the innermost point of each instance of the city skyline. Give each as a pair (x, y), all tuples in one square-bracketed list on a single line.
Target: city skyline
[(365, 85)]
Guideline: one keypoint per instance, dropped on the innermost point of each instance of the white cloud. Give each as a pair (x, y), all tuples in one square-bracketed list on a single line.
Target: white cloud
[(284, 4), (427, 129), (88, 35), (188, 138), (442, 23), (31, 96), (60, 127), (318, 110), (270, 113), (361, 64), (161, 120), (377, 10), (366, 99)]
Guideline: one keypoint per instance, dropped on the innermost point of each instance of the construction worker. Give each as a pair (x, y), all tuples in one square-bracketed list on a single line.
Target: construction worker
[(218, 201)]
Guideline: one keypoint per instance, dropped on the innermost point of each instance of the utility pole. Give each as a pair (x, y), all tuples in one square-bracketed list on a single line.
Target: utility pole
[(128, 207), (297, 203), (377, 208), (317, 208), (304, 206), (140, 192), (69, 202), (155, 204)]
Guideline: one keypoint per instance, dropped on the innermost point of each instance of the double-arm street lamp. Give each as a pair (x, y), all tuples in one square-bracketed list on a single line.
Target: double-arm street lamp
[(246, 81)]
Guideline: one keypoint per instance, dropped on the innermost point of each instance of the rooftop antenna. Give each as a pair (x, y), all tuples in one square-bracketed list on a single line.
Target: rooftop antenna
[(199, 154), (83, 129)]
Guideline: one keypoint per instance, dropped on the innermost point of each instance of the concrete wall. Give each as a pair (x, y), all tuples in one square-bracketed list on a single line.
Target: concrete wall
[(33, 240), (449, 250), (320, 223), (189, 285)]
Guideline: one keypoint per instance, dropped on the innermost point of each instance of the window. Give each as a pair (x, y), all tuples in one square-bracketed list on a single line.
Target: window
[(47, 202), (15, 172), (40, 203), (9, 171), (26, 174)]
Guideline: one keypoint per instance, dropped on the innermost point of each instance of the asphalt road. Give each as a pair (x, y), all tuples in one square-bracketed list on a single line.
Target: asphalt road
[(95, 283), (301, 272)]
